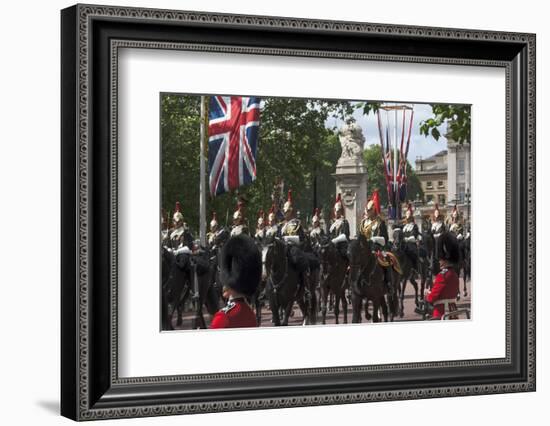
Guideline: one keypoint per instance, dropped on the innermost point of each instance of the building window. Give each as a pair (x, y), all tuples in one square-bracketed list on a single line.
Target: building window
[(429, 184), (429, 198), (440, 184), (441, 199), (461, 166), (460, 192)]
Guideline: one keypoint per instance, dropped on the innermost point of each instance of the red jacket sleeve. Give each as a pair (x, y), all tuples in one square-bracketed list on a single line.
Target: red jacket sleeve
[(220, 320), (439, 285)]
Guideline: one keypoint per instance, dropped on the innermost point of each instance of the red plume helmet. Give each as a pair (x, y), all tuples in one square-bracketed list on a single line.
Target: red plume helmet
[(375, 197), (178, 206)]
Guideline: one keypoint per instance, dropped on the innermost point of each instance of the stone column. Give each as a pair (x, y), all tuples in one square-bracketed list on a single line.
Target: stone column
[(351, 174)]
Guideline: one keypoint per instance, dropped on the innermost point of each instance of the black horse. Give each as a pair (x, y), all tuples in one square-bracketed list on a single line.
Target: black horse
[(366, 279), (409, 269), (464, 264), (282, 287), (186, 277), (332, 279)]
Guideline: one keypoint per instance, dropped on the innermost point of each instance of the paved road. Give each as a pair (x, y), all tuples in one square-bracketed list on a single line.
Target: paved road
[(297, 319)]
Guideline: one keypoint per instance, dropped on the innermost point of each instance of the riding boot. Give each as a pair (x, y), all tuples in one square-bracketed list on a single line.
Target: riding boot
[(387, 280)]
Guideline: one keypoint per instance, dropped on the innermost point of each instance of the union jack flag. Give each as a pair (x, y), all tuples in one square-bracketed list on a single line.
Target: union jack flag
[(233, 129)]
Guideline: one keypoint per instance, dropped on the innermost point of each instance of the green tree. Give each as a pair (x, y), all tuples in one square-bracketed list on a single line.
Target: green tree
[(372, 156), (294, 143), (457, 117)]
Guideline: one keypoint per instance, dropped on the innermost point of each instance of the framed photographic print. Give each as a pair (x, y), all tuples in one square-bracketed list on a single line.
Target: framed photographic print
[(263, 212)]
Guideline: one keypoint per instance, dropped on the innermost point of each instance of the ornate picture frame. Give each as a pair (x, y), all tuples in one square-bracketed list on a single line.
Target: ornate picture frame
[(91, 386)]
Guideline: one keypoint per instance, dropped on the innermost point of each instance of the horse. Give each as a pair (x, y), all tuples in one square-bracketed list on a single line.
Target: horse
[(432, 264), (332, 279), (186, 275), (464, 263), (409, 269), (366, 280), (281, 283), (175, 286)]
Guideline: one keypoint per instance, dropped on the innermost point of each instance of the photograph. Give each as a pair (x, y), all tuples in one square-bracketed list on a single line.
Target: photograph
[(281, 211)]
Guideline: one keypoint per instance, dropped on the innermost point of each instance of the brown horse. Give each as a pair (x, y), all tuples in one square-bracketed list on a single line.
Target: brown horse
[(366, 279)]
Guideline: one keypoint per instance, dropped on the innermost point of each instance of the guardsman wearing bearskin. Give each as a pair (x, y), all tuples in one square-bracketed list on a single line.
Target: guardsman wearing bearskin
[(446, 285), (456, 227), (180, 236), (272, 228), (240, 274), (260, 226), (239, 225), (339, 229), (316, 233), (411, 236)]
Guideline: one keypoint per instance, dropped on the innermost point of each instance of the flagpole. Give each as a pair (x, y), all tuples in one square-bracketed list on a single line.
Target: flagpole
[(202, 186)]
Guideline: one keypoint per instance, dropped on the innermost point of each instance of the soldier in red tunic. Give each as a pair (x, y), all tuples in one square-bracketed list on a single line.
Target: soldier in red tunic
[(240, 274), (446, 286)]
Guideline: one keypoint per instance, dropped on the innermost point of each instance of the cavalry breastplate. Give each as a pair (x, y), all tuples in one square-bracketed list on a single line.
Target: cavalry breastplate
[(291, 227), (238, 229), (456, 228), (408, 230), (337, 227), (370, 228)]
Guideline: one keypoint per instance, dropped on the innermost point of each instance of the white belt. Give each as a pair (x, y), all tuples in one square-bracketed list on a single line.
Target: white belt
[(444, 302)]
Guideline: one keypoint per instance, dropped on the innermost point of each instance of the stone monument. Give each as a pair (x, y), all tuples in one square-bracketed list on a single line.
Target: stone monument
[(351, 174)]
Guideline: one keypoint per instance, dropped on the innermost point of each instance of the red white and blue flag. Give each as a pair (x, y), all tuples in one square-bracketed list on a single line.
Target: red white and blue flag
[(233, 133)]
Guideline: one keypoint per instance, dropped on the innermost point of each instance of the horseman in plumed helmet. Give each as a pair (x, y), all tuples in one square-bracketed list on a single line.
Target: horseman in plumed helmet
[(438, 227), (214, 227), (373, 228), (239, 224), (446, 284), (272, 228), (316, 233), (180, 236), (260, 226), (339, 229), (411, 236), (456, 226), (292, 232)]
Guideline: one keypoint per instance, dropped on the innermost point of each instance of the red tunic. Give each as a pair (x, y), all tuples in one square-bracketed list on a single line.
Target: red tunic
[(445, 289), (236, 314)]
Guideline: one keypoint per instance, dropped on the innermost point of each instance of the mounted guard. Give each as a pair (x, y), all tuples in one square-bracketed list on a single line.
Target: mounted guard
[(292, 232), (456, 226), (260, 227), (272, 229), (316, 234), (180, 237), (239, 224), (373, 228), (339, 230), (411, 237)]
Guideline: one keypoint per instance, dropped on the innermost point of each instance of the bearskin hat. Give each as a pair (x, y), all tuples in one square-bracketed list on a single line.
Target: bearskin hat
[(447, 248), (241, 265)]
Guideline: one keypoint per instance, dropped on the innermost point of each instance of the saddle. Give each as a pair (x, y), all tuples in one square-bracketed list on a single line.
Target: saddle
[(388, 260)]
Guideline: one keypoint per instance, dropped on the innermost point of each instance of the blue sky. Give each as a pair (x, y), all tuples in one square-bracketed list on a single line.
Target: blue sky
[(420, 144)]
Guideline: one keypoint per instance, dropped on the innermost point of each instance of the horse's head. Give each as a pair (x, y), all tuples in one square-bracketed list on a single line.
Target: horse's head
[(359, 252), (177, 276), (397, 236)]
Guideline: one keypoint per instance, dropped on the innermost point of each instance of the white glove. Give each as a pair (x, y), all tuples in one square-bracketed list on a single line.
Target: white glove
[(379, 240), (339, 239), (291, 239), (183, 249)]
